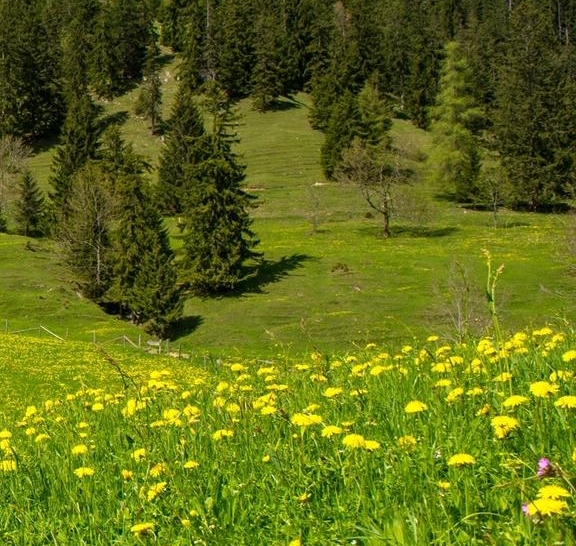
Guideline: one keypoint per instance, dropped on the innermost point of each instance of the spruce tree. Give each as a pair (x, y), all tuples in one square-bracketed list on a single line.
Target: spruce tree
[(149, 100), (144, 285), (181, 147), (30, 207), (455, 158), (218, 238)]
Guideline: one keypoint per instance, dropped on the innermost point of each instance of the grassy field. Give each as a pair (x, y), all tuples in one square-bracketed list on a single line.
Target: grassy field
[(472, 445), (328, 281)]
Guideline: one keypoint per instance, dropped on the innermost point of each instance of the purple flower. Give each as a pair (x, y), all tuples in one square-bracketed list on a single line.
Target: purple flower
[(545, 468), (525, 509)]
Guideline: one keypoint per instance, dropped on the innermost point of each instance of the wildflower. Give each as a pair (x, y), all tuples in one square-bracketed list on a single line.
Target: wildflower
[(139, 454), (415, 407), (443, 383), (295, 542), (5, 434), (98, 406), (84, 471), (461, 459), (127, 474), (191, 464), (222, 433), (454, 394), (545, 468), (544, 507), (41, 438), (552, 492), (563, 375), (354, 440), (185, 523), (304, 497), (233, 408), (371, 445), (311, 408), (483, 410), (331, 430), (407, 442), (268, 410), (30, 431), (432, 338), (305, 420), (331, 392), (80, 449), (476, 391), (568, 402), (542, 332), (266, 458), (318, 377), (155, 490), (514, 401), (8, 465), (238, 368), (570, 355), (542, 389), (142, 529), (157, 470), (444, 485), (503, 425), (503, 377)]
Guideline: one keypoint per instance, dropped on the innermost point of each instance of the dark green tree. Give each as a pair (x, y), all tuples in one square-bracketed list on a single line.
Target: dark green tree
[(30, 207), (218, 238), (149, 100), (183, 146), (456, 122)]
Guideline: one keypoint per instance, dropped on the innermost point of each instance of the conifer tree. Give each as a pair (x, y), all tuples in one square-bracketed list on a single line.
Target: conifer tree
[(182, 146), (218, 238), (149, 101), (455, 159), (30, 207)]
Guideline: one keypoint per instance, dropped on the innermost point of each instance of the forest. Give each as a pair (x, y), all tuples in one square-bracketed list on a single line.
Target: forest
[(493, 81)]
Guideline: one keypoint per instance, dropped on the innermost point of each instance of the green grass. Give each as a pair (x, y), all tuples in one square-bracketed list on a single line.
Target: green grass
[(329, 281)]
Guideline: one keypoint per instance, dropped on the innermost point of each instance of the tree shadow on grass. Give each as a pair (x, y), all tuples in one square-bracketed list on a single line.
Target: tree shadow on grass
[(184, 326), (267, 272), (423, 232)]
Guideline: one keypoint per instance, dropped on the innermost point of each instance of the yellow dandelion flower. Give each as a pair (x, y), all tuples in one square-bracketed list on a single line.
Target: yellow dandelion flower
[(5, 434), (331, 392), (441, 383), (503, 425), (552, 492), (483, 410), (84, 472), (331, 430), (354, 440), (233, 408), (127, 474), (30, 411), (432, 338), (266, 458), (8, 465), (476, 391), (157, 470), (311, 408), (155, 490), (222, 433), (191, 464), (266, 370), (546, 507), (80, 449), (568, 402), (570, 355), (268, 410), (238, 368), (454, 394), (407, 442), (98, 406), (295, 542), (515, 400), (503, 377), (415, 406), (542, 332), (302, 367), (461, 459), (41, 438), (445, 486), (371, 445), (276, 387), (318, 377), (562, 375), (30, 431), (185, 523), (142, 529), (543, 389), (304, 497), (305, 419), (139, 454)]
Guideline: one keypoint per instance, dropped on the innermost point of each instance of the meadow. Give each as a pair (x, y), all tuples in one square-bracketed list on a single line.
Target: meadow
[(436, 443)]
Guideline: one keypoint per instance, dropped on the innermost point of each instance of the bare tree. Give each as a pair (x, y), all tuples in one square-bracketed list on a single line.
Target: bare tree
[(377, 171), (13, 155)]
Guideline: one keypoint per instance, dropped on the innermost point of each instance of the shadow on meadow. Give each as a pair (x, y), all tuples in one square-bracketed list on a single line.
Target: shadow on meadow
[(184, 326), (409, 231)]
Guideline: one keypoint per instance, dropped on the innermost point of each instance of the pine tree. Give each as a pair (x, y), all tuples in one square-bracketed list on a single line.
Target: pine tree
[(149, 101), (181, 147), (30, 207), (218, 238), (455, 159)]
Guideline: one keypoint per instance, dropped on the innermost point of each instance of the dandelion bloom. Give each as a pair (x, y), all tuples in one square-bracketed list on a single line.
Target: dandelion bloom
[(8, 465), (444, 485), (127, 474), (142, 529), (503, 377), (84, 471), (443, 383), (454, 394), (407, 442), (268, 410), (354, 440), (305, 420), (515, 400), (41, 438), (371, 445), (331, 430), (155, 490), (503, 425), (266, 458), (568, 402), (545, 507), (222, 433), (415, 406), (5, 434), (483, 410), (157, 470), (461, 459), (191, 464), (330, 392), (570, 355), (98, 406), (238, 368), (139, 454), (542, 389), (552, 492), (80, 449), (295, 542), (476, 391)]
